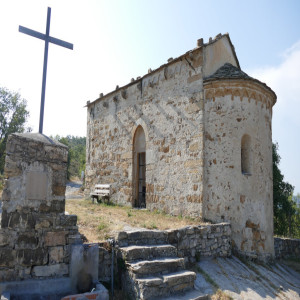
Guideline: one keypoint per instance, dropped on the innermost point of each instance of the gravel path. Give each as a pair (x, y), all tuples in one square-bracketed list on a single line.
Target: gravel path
[(73, 190)]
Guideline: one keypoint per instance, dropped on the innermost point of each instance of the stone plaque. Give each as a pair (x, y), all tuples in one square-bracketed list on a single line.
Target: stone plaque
[(36, 185)]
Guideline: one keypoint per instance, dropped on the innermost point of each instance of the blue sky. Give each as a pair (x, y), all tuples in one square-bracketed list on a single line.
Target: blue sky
[(117, 40)]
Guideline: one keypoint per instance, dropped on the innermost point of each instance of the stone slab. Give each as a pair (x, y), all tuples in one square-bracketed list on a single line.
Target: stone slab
[(37, 286), (236, 279), (157, 265), (51, 270)]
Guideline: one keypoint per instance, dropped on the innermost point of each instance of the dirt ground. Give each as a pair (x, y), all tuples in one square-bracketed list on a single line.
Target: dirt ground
[(98, 222)]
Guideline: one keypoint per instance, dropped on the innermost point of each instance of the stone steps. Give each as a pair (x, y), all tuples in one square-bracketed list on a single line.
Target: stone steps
[(134, 253), (167, 284), (153, 269), (142, 237), (155, 266)]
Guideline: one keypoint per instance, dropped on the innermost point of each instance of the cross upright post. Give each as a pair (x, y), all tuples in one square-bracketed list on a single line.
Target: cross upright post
[(47, 38)]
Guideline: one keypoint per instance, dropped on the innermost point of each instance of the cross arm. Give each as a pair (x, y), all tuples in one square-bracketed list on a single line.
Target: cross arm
[(32, 32), (42, 36), (60, 42)]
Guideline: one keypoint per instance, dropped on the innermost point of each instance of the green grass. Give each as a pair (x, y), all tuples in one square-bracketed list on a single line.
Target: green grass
[(102, 225)]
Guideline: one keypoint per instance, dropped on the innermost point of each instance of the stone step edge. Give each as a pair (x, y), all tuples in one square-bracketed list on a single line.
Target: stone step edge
[(147, 252), (165, 285), (152, 281), (156, 260), (128, 248), (137, 266)]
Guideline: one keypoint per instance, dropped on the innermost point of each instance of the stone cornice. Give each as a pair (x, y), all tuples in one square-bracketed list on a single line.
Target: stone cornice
[(244, 89)]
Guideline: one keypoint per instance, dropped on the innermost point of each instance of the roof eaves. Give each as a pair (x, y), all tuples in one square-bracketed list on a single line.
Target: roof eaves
[(170, 61)]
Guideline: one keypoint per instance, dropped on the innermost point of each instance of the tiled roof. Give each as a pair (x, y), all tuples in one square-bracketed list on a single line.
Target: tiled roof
[(228, 71)]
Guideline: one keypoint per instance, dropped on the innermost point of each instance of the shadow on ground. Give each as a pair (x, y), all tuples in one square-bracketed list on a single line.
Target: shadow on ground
[(248, 280)]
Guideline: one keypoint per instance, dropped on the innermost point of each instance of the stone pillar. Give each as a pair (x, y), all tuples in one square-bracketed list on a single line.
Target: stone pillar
[(35, 234)]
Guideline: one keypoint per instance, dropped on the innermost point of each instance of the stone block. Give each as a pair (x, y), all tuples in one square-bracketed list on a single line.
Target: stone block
[(194, 163), (57, 270), (30, 257), (56, 255), (12, 167), (27, 240), (55, 238), (7, 237), (7, 257), (75, 239), (9, 220), (122, 235), (56, 206), (66, 220), (8, 274), (58, 190), (24, 273), (43, 222), (17, 219)]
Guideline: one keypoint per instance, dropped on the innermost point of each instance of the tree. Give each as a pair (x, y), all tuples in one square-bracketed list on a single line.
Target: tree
[(76, 156), (13, 116), (284, 207)]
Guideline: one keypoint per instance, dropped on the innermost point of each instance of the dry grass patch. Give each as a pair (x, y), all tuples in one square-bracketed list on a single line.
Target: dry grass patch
[(100, 221), (220, 295)]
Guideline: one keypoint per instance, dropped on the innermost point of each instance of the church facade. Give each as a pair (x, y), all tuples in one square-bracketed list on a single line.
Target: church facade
[(193, 137)]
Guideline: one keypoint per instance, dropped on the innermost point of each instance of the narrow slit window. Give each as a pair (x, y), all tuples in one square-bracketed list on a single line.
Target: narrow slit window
[(246, 155)]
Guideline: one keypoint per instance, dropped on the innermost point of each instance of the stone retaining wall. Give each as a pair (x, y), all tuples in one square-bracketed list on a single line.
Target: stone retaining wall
[(194, 242), (287, 248)]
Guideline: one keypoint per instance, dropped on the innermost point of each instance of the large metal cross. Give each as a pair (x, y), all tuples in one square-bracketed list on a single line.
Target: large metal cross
[(48, 39)]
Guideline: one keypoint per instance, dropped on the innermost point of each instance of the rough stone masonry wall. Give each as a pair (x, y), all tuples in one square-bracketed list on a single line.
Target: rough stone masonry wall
[(105, 261), (234, 108), (194, 242), (287, 248), (168, 104), (35, 234)]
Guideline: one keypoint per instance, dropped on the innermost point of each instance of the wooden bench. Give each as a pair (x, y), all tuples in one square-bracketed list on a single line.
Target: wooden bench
[(101, 192)]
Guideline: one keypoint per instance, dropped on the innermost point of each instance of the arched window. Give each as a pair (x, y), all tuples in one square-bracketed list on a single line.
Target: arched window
[(246, 154), (139, 167)]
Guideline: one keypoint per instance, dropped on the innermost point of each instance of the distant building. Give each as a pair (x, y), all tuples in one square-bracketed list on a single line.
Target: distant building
[(193, 137)]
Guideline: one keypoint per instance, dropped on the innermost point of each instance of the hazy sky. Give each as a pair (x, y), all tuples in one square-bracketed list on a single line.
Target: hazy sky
[(117, 40)]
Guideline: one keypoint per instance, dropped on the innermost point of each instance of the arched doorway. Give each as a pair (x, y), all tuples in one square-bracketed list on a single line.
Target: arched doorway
[(139, 168)]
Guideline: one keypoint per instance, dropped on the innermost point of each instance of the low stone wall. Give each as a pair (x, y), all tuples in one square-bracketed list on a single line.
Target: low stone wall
[(194, 242), (287, 248)]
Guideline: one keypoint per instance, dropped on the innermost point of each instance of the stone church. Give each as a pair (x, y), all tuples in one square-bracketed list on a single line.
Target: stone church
[(192, 137)]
